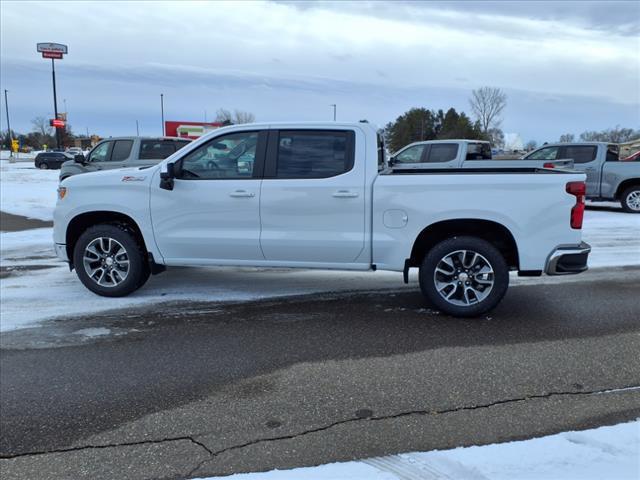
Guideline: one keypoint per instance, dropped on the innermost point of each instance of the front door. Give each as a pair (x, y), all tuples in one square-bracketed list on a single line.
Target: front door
[(312, 204), (212, 214), (110, 154)]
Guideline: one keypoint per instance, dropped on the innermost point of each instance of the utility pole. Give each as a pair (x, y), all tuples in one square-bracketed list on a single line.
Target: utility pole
[(138, 129), (162, 111), (205, 116), (6, 104), (334, 111)]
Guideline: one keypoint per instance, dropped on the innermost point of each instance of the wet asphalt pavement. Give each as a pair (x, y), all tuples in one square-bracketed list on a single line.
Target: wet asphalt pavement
[(190, 390)]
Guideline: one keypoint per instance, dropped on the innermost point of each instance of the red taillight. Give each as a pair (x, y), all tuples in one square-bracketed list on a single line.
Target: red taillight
[(578, 189), (548, 165)]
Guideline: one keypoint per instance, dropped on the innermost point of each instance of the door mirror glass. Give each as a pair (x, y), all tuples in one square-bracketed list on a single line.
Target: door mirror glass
[(79, 158)]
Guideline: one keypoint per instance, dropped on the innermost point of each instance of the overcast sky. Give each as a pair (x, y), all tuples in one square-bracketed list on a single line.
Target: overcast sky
[(566, 66)]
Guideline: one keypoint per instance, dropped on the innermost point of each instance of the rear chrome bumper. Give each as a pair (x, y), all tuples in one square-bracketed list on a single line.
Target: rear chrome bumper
[(568, 260)]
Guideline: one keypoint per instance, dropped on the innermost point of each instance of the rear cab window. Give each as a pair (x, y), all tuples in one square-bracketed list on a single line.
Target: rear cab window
[(478, 151), (159, 149), (314, 153), (442, 152), (121, 150), (580, 153)]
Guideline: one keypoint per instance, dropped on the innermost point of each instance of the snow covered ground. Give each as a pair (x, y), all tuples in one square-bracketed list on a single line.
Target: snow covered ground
[(27, 191), (600, 453)]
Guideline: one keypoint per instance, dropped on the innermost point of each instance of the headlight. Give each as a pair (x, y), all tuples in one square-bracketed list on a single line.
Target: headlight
[(62, 192)]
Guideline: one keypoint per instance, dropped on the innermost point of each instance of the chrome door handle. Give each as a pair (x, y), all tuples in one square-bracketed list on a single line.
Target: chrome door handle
[(590, 169), (241, 194), (345, 194)]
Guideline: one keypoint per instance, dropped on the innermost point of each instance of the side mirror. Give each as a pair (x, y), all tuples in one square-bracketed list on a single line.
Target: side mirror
[(166, 177), (79, 158), (392, 160)]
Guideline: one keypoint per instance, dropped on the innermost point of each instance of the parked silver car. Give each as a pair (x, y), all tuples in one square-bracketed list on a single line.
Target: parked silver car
[(121, 152)]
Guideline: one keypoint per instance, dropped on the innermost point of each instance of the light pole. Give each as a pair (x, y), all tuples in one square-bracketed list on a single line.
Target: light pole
[(162, 111), (334, 110), (6, 105), (138, 129)]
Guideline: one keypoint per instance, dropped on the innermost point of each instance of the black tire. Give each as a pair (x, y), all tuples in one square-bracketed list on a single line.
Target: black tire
[(488, 254), (43, 166), (138, 267), (627, 197)]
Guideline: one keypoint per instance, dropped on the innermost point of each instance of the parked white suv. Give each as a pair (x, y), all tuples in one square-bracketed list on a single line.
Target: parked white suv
[(320, 196)]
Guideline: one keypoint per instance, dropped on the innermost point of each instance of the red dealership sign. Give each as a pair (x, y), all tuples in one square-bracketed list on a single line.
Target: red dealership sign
[(55, 123), (57, 55)]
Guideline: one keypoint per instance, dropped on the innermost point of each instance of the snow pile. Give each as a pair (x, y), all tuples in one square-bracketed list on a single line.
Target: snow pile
[(28, 191), (605, 452)]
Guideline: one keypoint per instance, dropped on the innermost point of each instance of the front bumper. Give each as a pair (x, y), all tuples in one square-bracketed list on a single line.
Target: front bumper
[(568, 260)]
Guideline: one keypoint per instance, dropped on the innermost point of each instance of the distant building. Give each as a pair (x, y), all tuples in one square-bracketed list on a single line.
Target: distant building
[(189, 129), (513, 142)]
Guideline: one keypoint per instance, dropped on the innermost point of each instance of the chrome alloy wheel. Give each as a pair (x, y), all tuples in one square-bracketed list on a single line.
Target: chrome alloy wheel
[(106, 262), (464, 278), (633, 200)]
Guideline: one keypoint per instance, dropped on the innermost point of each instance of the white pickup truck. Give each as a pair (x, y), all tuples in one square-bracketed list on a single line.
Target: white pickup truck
[(319, 195)]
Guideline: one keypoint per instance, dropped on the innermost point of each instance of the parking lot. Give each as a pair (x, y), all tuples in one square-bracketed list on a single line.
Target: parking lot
[(211, 371)]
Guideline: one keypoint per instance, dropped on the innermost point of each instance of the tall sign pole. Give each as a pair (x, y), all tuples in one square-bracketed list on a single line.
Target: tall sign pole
[(55, 101), (54, 51), (334, 111), (6, 104)]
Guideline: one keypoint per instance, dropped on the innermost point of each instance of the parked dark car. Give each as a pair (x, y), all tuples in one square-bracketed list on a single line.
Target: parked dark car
[(51, 160)]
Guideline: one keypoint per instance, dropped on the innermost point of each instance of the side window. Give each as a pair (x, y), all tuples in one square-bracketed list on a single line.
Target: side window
[(442, 152), (99, 154), (156, 149), (314, 154), (548, 153), (410, 155), (121, 150), (580, 153), (613, 153), (478, 151), (228, 156)]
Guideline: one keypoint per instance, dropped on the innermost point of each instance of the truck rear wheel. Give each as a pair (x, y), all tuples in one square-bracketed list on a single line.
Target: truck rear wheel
[(464, 276), (110, 261), (630, 199)]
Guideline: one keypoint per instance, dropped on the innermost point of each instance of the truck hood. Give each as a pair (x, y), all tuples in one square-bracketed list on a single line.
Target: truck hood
[(117, 176)]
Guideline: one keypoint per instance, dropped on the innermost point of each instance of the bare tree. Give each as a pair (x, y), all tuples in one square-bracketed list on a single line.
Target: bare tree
[(243, 117), (238, 116), (41, 126), (487, 103), (496, 137), (531, 145), (567, 137)]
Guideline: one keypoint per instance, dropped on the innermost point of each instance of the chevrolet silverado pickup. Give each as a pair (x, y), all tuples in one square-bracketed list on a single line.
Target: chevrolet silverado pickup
[(608, 177), (321, 195)]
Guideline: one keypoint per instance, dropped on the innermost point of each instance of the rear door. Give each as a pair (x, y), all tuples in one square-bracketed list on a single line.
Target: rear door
[(585, 159), (312, 202)]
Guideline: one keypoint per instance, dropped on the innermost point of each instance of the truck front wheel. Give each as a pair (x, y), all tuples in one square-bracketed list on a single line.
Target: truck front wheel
[(630, 199), (464, 276), (110, 261)]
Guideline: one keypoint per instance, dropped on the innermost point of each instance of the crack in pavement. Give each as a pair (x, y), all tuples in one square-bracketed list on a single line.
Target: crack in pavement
[(109, 445), (212, 454)]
